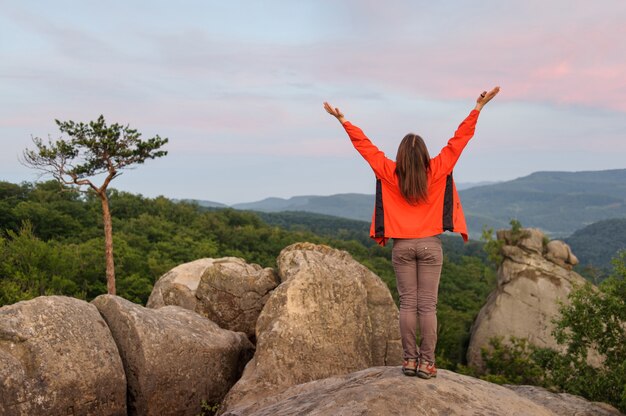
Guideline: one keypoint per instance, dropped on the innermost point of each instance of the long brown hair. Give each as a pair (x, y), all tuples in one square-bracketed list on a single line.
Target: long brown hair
[(412, 165)]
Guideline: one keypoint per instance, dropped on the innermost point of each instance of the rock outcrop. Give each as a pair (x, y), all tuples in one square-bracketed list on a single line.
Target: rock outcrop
[(173, 358), (178, 286), (564, 404), (229, 291), (532, 279), (329, 316), (560, 253), (57, 357), (232, 293), (386, 391)]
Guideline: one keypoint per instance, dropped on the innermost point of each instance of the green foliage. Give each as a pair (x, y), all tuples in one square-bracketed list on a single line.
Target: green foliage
[(516, 231), (30, 267), (492, 247), (463, 288), (511, 363), (322, 225), (208, 409), (594, 321), (92, 148), (596, 244)]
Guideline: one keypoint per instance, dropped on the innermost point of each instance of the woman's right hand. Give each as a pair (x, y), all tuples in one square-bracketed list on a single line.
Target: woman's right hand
[(334, 111), (485, 97)]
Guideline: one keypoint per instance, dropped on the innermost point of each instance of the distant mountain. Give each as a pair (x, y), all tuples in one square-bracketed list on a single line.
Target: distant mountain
[(467, 185), (353, 206), (203, 203), (557, 202), (596, 244), (276, 204)]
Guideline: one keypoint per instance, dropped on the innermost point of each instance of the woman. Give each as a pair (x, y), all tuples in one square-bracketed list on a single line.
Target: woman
[(416, 200)]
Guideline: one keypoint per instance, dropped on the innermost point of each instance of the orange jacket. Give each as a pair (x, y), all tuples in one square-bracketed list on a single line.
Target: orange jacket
[(393, 216)]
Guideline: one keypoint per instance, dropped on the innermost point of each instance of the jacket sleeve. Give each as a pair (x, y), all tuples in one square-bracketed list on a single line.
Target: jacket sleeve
[(444, 162), (382, 166)]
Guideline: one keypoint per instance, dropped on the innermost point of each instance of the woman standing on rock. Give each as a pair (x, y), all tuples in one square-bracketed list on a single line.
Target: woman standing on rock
[(416, 200)]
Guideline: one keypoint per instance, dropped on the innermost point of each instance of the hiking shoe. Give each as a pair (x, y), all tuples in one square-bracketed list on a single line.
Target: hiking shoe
[(426, 369), (409, 367)]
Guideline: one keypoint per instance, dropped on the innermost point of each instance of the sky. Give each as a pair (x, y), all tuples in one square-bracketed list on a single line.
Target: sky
[(237, 87)]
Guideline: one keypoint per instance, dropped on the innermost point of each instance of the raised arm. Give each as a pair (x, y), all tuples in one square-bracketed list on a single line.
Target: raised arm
[(444, 162), (380, 164)]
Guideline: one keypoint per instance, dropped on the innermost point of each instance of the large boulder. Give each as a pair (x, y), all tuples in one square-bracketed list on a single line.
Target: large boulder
[(560, 253), (386, 391), (526, 299), (228, 291), (173, 358), (178, 286), (329, 316), (531, 240), (57, 357), (232, 293)]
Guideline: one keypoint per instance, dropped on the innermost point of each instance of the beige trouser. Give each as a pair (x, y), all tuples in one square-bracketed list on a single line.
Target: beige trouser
[(417, 263)]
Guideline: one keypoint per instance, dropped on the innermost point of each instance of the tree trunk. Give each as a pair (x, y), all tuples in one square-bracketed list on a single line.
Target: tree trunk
[(108, 243)]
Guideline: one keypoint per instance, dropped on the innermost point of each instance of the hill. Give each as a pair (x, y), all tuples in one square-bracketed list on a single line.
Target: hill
[(353, 206), (202, 203), (557, 202), (596, 244)]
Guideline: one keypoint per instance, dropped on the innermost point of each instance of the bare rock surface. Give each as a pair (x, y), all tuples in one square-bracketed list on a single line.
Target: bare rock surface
[(57, 357), (229, 291), (173, 358), (178, 286), (385, 391), (329, 316), (527, 296), (560, 253), (528, 239), (563, 404), (232, 293)]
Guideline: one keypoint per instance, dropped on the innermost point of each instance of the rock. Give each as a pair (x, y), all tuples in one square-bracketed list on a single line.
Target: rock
[(385, 391), (563, 404), (178, 286), (232, 293), (529, 239), (560, 253), (57, 357), (329, 316), (228, 291), (173, 358), (526, 299)]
